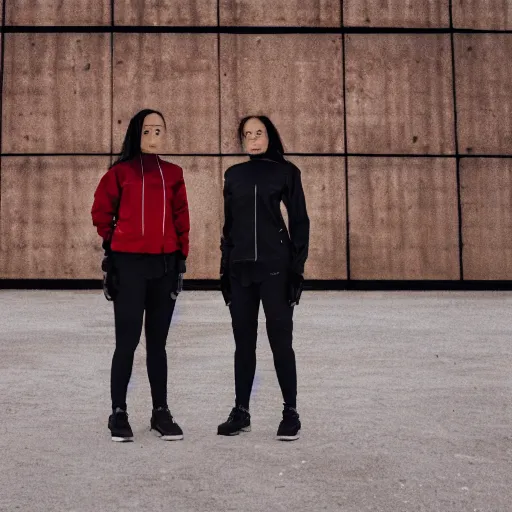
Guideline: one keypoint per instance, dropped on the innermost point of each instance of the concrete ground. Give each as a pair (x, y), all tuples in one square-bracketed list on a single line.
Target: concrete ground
[(405, 399)]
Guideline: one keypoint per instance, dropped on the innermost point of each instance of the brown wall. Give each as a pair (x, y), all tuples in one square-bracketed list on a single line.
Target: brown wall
[(394, 190)]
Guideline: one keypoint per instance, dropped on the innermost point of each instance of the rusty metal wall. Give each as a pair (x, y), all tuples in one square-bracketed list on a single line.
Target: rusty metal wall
[(398, 116)]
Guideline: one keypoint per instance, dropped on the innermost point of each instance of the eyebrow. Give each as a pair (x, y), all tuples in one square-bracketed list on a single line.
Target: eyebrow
[(159, 125)]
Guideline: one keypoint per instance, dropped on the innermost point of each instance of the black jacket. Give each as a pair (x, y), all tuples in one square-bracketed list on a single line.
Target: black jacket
[(254, 229)]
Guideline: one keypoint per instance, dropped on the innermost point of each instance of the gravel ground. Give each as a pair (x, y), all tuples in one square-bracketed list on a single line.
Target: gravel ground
[(405, 400)]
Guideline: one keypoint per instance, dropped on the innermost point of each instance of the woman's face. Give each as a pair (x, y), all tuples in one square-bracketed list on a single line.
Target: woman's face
[(255, 137), (153, 132)]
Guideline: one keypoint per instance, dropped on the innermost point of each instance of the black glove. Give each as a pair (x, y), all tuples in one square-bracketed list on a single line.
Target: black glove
[(106, 247), (225, 287), (181, 268), (110, 278), (295, 286)]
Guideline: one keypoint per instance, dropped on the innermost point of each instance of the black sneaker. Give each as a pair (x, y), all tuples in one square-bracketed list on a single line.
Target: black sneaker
[(289, 428), (239, 420), (119, 426), (164, 426)]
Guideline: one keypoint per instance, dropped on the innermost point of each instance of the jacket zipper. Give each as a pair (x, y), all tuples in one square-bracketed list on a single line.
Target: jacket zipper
[(165, 197), (255, 225), (164, 194), (142, 172)]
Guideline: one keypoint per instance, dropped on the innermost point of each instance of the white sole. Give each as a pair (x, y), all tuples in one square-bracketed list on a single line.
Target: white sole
[(167, 438), (288, 438), (122, 439)]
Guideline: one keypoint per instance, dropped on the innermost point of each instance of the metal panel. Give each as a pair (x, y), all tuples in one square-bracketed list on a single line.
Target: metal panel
[(323, 180), (46, 229), (165, 12), (484, 93), (294, 79), (399, 94), (403, 218), (396, 13), (204, 191), (486, 185), (70, 12), (56, 93), (176, 74), (310, 13), (483, 14)]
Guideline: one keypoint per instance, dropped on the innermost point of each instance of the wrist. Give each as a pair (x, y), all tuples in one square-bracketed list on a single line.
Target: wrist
[(106, 246), (182, 267)]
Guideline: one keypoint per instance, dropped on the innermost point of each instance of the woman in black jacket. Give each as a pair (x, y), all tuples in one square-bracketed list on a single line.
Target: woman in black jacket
[(261, 261)]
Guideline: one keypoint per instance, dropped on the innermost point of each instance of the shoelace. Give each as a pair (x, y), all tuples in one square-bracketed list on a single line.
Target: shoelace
[(121, 419), (165, 415), (289, 412), (237, 412)]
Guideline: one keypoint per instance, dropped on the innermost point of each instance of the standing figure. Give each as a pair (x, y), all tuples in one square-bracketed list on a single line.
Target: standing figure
[(261, 261), (140, 210)]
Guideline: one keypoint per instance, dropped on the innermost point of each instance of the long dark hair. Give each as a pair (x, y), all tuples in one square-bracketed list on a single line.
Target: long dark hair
[(275, 144), (131, 144)]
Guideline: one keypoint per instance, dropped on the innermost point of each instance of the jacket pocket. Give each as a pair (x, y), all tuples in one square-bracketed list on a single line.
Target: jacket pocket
[(129, 220)]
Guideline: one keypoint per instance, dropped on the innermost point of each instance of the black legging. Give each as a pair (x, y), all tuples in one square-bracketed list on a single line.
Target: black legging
[(145, 283), (245, 302)]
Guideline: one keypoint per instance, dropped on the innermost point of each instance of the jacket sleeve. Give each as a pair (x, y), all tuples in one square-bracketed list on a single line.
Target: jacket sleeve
[(298, 219), (181, 215), (106, 204), (225, 240)]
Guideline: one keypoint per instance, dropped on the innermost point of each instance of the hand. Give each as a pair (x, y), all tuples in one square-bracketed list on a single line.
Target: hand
[(110, 278), (178, 287), (181, 268), (225, 287), (295, 287), (106, 247)]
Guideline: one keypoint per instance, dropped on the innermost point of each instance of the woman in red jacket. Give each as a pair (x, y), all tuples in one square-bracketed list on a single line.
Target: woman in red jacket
[(140, 210)]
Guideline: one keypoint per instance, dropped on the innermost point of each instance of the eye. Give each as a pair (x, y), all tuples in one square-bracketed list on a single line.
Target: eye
[(146, 132), (157, 131)]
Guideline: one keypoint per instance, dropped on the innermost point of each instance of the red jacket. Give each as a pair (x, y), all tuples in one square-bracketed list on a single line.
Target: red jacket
[(151, 218)]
